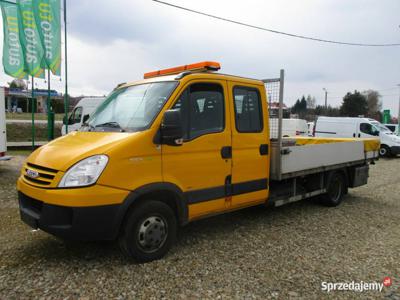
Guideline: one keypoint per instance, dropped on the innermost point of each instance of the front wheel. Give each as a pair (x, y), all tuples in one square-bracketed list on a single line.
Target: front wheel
[(335, 189), (149, 231), (384, 151)]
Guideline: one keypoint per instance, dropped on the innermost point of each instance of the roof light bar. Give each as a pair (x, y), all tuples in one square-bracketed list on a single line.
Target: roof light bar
[(201, 66)]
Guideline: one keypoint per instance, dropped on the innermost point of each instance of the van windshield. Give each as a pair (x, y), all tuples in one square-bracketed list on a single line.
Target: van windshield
[(132, 108), (381, 127)]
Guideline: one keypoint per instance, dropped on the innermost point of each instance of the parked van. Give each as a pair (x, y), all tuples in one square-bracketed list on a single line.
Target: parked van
[(85, 107), (393, 128), (3, 135), (290, 127), (359, 128)]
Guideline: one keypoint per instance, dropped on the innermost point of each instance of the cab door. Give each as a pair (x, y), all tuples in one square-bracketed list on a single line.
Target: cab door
[(250, 144), (202, 164), (367, 130)]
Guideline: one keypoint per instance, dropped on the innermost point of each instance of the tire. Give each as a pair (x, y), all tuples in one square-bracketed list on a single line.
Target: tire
[(336, 188), (149, 231), (384, 151)]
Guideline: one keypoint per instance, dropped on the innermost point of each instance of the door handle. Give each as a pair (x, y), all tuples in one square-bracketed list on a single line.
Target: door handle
[(359, 135), (354, 135), (226, 152), (264, 149)]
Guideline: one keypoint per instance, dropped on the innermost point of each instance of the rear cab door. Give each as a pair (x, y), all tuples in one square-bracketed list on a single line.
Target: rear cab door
[(250, 144)]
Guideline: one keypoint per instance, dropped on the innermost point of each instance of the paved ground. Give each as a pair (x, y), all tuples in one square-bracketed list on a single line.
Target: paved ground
[(282, 253)]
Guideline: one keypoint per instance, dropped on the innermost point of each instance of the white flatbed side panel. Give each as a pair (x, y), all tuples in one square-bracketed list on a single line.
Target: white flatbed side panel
[(320, 155)]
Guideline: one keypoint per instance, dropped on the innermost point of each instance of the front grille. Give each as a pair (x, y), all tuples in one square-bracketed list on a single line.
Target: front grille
[(38, 181), (45, 176), (42, 168)]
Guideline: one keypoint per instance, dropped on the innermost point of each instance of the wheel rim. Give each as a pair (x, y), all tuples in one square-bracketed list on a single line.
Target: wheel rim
[(335, 188), (152, 234), (383, 151)]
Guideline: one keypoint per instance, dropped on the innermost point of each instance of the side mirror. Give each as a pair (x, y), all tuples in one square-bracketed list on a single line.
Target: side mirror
[(171, 128), (376, 133), (85, 118)]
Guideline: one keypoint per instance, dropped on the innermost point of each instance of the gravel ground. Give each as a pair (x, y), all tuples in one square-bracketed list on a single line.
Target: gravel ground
[(281, 253)]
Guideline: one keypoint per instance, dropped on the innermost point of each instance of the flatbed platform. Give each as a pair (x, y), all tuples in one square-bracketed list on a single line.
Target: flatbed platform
[(301, 156)]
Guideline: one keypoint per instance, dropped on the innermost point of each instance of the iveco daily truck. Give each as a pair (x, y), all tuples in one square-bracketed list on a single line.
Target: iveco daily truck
[(182, 144)]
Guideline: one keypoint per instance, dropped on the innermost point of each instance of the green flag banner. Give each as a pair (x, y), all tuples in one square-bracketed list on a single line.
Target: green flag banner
[(48, 22), (13, 56), (30, 39)]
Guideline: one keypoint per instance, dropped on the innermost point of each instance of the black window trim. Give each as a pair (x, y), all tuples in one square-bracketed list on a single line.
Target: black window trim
[(248, 88), (223, 106), (75, 109)]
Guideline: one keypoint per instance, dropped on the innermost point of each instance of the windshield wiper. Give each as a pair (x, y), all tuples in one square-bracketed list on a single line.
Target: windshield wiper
[(110, 125)]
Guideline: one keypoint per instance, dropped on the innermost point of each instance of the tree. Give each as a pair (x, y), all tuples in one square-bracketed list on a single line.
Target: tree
[(310, 102), (296, 107), (17, 84), (374, 104), (354, 105), (303, 105)]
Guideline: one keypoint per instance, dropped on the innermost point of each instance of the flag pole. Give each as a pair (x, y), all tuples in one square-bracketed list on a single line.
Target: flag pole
[(66, 100), (50, 126), (33, 113)]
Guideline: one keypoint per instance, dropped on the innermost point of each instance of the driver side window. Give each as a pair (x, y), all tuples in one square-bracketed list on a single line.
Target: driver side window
[(368, 129), (202, 110)]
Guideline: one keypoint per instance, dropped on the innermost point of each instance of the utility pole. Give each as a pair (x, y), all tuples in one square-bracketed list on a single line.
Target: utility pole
[(66, 96), (326, 98), (398, 116)]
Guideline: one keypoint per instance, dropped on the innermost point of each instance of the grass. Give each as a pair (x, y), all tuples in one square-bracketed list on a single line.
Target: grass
[(20, 132), (28, 116), (19, 152)]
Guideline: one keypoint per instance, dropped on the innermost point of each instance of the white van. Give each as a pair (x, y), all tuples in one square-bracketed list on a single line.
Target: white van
[(393, 128), (3, 135), (85, 107), (359, 128), (290, 127)]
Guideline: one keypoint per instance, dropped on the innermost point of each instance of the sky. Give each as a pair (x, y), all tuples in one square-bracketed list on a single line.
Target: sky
[(110, 42)]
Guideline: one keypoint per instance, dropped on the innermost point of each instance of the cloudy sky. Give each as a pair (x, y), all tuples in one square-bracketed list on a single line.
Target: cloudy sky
[(110, 42)]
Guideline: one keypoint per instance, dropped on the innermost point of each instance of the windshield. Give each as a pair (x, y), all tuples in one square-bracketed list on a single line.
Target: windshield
[(381, 127), (132, 108)]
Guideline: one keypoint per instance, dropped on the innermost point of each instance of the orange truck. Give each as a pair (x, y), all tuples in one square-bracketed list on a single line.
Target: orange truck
[(183, 144)]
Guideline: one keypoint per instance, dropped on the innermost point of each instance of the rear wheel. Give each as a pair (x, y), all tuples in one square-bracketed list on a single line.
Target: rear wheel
[(149, 231), (335, 189), (384, 151)]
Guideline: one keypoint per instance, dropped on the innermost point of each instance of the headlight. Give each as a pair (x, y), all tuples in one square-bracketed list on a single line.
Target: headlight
[(85, 172)]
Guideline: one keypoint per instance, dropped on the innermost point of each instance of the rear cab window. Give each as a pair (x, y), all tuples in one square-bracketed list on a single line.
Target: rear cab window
[(248, 109)]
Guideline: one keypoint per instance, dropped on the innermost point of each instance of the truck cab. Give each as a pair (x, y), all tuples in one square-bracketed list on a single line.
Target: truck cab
[(85, 185)]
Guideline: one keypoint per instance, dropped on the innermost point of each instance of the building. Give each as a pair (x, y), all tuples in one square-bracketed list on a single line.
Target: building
[(20, 100)]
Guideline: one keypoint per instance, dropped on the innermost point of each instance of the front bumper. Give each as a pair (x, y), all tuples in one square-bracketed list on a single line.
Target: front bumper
[(395, 150), (85, 223)]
